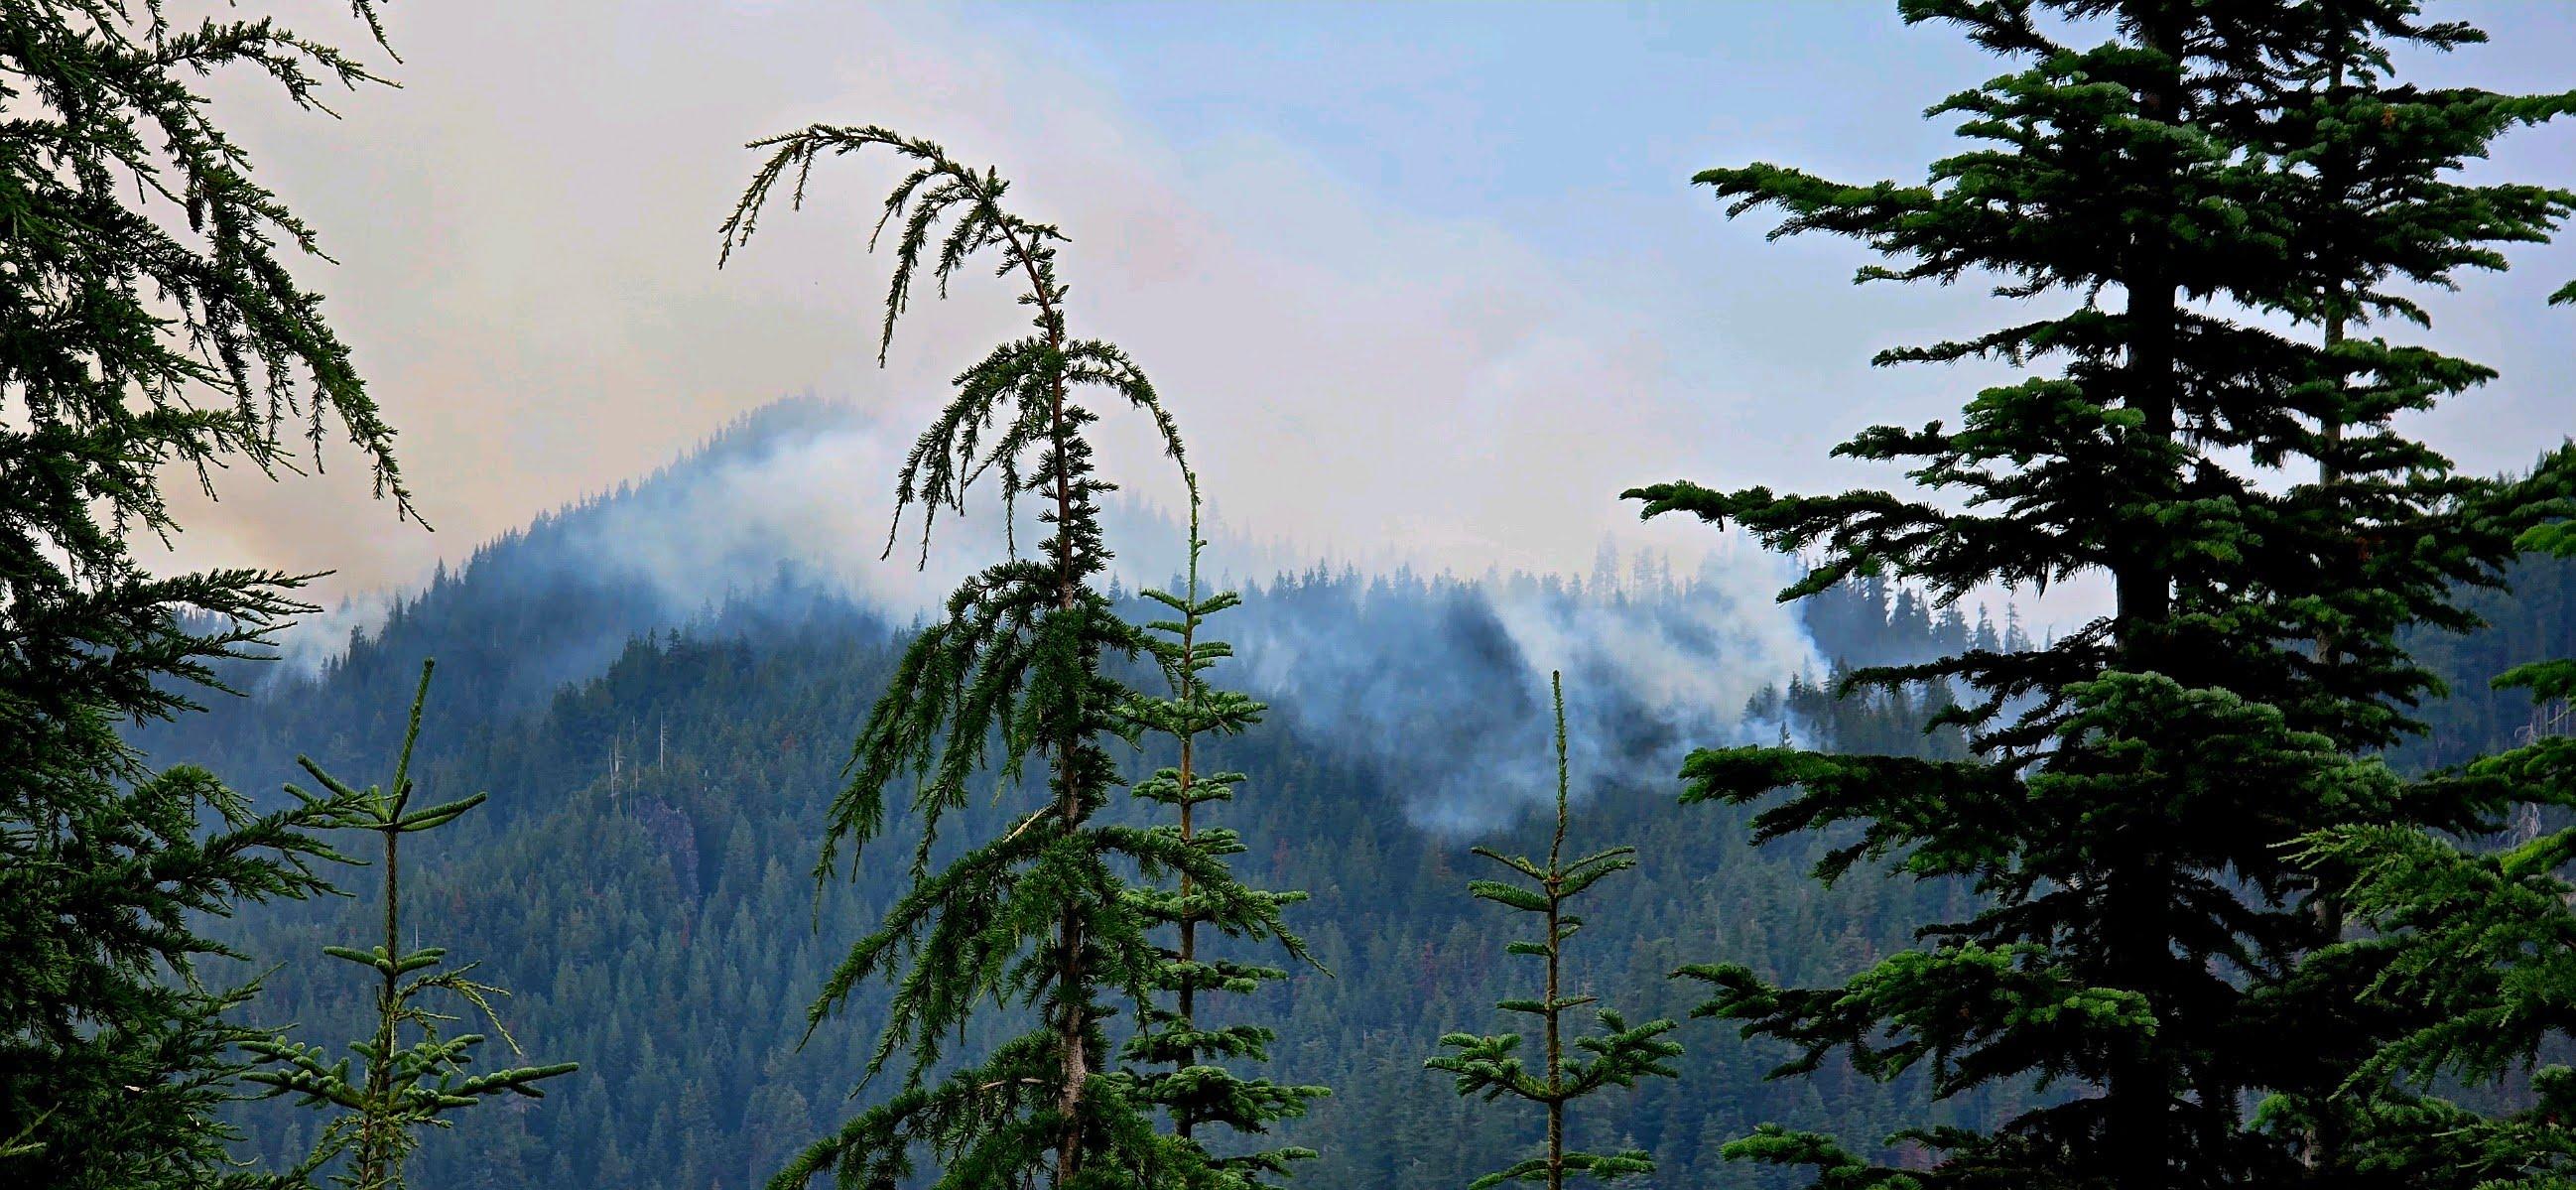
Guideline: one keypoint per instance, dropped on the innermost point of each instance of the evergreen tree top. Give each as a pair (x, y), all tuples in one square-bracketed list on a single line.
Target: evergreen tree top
[(1180, 1059), (400, 1089), (1617, 1054), (1030, 378), (1039, 914), (2185, 163), (2205, 222)]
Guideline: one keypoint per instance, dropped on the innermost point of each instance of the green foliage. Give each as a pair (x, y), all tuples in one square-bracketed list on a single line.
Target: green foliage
[(119, 1055), (2148, 941), (645, 925), (1178, 1059), (403, 1088), (1038, 914), (2477, 946), (654, 933), (646, 932), (152, 324), (1491, 1066)]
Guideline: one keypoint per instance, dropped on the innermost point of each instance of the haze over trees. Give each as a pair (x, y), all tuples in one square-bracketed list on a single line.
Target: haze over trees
[(655, 921), (2260, 880)]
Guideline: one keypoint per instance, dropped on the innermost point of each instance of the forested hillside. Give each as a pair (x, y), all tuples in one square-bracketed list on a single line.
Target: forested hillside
[(967, 803), (641, 876)]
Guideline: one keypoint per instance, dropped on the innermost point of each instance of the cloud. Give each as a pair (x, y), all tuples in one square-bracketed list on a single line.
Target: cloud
[(527, 231)]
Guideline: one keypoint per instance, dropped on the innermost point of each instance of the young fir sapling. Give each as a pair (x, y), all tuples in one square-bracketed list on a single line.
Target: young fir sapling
[(1178, 1057), (1492, 1066), (400, 1088)]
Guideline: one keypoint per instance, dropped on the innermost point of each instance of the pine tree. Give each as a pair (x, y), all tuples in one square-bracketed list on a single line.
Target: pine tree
[(1179, 1057), (1492, 1066), (2474, 942), (2146, 949), (1038, 914), (154, 326), (2365, 160), (403, 1088)]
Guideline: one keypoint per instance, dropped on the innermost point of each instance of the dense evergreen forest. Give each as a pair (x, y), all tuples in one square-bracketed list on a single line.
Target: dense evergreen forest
[(639, 878), (1106, 853)]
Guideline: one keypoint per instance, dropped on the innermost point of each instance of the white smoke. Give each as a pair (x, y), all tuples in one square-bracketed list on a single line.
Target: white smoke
[(1717, 647), (803, 488)]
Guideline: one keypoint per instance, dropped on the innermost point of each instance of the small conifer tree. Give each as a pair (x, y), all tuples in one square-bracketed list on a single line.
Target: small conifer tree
[(402, 1088), (1038, 914), (1177, 1054), (1618, 1055)]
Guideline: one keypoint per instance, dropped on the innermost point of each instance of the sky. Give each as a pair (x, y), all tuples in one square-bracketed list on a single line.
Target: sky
[(1424, 283)]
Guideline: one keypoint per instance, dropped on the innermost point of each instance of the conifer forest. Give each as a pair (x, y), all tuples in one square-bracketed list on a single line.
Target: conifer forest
[(1136, 596)]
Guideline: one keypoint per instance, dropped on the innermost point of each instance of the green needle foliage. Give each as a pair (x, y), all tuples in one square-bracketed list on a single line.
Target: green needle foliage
[(151, 324), (1178, 1059), (2150, 951), (2366, 157), (120, 1054), (1036, 915), (402, 1088), (1617, 1055), (2480, 944)]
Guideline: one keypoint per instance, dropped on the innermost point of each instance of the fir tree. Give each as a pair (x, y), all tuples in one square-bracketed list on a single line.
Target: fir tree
[(2147, 938), (402, 1088), (2479, 944), (2365, 159), (1038, 914), (154, 326), (1180, 1057), (1492, 1066)]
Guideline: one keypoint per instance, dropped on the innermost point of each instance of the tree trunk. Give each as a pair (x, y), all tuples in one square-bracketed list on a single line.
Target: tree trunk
[(1186, 1119), (2139, 1099)]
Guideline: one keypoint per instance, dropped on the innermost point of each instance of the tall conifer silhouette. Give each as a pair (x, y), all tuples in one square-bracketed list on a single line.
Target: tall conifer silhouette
[(2476, 945), (1012, 670), (159, 329), (2172, 172), (1492, 1066), (1180, 1057)]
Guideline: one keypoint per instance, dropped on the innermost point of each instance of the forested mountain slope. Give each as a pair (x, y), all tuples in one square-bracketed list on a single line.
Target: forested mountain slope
[(659, 772)]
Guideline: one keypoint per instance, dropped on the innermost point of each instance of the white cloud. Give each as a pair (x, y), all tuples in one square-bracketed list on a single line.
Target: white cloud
[(528, 225), (528, 231)]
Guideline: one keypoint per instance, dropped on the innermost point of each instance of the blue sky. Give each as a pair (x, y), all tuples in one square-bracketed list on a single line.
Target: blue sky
[(1426, 282), (1568, 120), (1579, 124), (1577, 121)]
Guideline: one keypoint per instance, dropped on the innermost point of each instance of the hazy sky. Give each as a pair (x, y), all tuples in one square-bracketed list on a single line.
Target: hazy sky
[(1423, 281)]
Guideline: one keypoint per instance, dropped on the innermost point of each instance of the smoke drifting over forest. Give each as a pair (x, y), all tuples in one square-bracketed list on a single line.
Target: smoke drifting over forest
[(1440, 676)]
